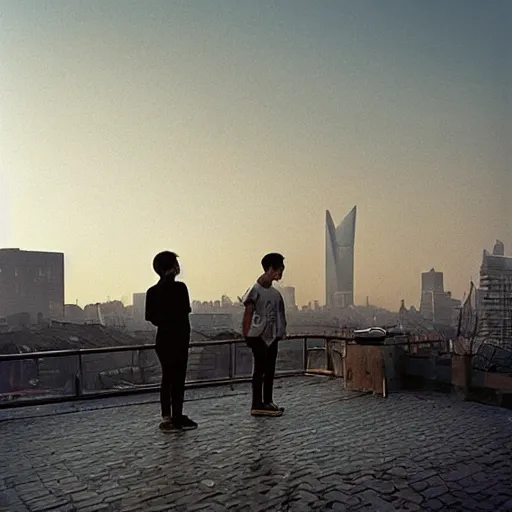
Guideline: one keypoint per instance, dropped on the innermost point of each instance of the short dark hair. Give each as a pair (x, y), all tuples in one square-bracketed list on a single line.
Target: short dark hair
[(164, 261), (272, 260)]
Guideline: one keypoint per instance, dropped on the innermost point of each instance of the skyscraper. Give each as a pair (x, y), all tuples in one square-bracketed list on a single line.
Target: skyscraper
[(288, 293), (435, 304), (339, 260)]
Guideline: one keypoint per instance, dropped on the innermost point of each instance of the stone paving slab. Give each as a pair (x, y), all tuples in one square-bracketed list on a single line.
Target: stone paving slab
[(330, 451)]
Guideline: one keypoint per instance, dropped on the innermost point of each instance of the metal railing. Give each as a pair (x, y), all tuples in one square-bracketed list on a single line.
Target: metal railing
[(75, 376)]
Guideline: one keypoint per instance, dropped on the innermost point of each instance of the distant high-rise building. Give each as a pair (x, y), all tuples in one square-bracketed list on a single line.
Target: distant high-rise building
[(499, 248), (456, 306), (31, 282), (432, 281), (495, 297), (139, 308), (339, 261), (435, 304), (288, 293)]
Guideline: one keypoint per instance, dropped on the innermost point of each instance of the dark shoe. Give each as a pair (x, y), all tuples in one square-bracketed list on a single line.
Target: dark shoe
[(273, 406), (186, 423), (265, 410), (169, 426)]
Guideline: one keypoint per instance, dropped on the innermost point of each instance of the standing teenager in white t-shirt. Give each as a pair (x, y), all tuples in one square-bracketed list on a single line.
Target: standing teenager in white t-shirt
[(264, 325)]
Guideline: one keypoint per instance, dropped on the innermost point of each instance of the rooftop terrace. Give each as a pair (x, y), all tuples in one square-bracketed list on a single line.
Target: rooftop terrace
[(332, 450)]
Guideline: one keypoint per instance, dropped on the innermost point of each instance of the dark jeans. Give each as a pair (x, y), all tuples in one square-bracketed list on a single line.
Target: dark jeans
[(173, 356), (264, 370)]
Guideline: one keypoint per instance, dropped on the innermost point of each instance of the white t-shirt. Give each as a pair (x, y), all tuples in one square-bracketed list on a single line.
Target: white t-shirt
[(269, 317)]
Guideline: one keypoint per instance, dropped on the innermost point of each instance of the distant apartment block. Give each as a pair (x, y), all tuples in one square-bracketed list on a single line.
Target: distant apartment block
[(31, 282), (139, 308), (456, 306), (288, 294), (436, 305)]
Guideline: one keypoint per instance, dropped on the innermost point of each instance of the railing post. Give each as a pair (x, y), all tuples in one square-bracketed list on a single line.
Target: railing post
[(305, 354), (234, 360), (230, 371), (79, 377), (344, 364)]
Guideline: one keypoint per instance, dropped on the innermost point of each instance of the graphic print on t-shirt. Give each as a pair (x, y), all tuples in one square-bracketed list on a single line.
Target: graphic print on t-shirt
[(256, 320), (268, 319)]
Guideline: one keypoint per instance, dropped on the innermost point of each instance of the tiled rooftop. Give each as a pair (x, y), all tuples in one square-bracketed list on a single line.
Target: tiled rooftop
[(332, 450)]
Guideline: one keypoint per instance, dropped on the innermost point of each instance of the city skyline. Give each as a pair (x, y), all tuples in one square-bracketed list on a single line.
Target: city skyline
[(39, 261), (345, 240), (223, 130), (33, 285)]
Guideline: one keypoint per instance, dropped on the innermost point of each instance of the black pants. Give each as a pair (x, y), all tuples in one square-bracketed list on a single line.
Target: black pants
[(173, 356), (264, 370)]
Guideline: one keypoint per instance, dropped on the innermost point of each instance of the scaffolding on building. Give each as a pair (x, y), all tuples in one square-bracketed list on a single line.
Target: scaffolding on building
[(496, 306)]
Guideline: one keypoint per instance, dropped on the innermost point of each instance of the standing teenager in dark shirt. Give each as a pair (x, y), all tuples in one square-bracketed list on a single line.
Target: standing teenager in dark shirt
[(168, 308)]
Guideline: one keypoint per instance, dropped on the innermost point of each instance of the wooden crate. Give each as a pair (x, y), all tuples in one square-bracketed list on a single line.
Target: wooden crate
[(364, 369)]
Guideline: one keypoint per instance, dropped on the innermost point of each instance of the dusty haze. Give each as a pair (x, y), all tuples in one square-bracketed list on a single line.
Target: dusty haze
[(223, 130)]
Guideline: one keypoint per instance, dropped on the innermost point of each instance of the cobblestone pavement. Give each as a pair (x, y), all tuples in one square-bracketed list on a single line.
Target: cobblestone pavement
[(330, 451)]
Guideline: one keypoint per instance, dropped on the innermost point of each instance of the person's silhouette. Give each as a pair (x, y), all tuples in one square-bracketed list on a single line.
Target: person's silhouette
[(168, 308)]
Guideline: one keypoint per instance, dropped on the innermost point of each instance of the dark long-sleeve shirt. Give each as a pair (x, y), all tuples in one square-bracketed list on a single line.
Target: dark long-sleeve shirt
[(168, 306)]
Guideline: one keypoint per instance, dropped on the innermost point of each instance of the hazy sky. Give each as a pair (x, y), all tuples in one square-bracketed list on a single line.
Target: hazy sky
[(224, 129)]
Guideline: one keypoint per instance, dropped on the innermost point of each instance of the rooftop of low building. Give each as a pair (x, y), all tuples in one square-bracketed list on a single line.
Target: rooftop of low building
[(331, 450)]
